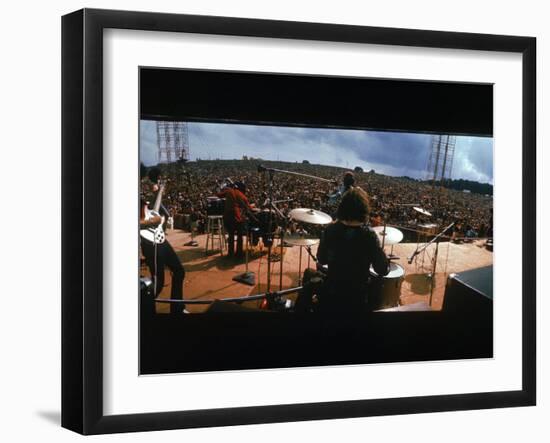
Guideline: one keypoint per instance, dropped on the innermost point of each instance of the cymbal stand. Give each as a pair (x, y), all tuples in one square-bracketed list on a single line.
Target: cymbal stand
[(384, 238), (271, 172), (283, 217), (269, 232)]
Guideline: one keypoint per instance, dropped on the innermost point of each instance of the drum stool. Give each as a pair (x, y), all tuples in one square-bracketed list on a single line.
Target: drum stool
[(215, 232)]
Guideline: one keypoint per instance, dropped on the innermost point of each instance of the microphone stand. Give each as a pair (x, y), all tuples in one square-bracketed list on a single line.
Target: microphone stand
[(247, 277), (434, 260), (271, 172), (384, 233), (418, 251), (262, 168), (281, 239)]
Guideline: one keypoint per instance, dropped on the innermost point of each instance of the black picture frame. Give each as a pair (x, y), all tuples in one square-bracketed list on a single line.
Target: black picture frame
[(82, 160)]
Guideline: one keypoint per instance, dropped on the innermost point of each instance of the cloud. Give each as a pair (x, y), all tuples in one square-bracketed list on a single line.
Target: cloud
[(148, 142), (474, 159), (389, 153)]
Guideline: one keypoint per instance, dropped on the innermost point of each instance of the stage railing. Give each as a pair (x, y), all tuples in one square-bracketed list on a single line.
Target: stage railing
[(242, 299)]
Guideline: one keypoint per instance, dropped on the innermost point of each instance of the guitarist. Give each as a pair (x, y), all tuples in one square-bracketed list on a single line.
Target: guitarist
[(159, 253)]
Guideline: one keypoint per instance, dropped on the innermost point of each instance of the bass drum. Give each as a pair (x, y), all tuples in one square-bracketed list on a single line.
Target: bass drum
[(384, 292)]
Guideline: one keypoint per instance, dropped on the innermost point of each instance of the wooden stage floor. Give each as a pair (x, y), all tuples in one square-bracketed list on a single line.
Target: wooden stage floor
[(211, 276)]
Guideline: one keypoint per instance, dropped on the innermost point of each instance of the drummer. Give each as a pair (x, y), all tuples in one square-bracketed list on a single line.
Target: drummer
[(348, 248)]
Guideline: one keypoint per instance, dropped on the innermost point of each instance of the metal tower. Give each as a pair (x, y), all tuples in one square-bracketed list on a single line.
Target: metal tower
[(172, 141), (440, 160)]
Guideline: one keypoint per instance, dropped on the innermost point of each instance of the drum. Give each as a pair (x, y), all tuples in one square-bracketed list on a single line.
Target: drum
[(428, 228), (385, 291), (215, 205), (263, 216), (258, 226), (255, 235)]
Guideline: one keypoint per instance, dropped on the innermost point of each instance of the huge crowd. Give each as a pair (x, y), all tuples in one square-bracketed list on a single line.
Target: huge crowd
[(188, 186)]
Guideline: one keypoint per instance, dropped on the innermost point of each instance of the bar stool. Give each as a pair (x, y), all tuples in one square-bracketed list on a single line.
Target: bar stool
[(215, 232)]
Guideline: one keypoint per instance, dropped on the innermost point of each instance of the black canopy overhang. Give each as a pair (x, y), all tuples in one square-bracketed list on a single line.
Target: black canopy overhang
[(316, 101)]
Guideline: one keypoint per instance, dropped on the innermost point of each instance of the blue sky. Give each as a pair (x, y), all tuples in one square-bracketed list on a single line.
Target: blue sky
[(390, 153)]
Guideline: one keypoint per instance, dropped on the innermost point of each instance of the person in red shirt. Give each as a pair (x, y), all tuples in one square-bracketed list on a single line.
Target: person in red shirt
[(234, 216)]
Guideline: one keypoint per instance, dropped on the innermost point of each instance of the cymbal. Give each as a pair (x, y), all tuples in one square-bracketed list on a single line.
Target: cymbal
[(300, 240), (310, 216), (392, 235), (422, 211)]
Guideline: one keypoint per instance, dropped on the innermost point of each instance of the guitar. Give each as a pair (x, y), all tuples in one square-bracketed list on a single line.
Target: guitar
[(155, 234)]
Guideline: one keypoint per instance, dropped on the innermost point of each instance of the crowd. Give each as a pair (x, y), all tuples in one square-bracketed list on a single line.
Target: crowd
[(391, 198)]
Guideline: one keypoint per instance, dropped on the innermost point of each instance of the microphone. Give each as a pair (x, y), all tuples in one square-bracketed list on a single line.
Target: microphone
[(410, 260)]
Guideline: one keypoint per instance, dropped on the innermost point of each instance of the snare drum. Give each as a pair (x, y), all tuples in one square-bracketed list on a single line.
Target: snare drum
[(385, 291)]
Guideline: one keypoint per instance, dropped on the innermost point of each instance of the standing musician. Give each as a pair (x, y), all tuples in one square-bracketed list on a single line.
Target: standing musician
[(159, 255), (348, 248), (348, 182), (234, 216)]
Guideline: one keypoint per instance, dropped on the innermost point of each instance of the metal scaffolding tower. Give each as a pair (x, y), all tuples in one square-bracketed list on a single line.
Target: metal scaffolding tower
[(172, 141), (439, 169), (440, 160)]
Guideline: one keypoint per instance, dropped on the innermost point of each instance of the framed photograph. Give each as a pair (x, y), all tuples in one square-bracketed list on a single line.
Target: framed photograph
[(269, 221)]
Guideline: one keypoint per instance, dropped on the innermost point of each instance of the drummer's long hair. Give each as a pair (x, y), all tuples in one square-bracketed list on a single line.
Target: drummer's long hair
[(354, 206)]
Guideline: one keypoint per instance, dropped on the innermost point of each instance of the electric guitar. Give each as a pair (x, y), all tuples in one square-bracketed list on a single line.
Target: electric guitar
[(155, 234)]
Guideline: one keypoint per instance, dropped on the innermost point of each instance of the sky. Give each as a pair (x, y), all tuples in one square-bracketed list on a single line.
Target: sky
[(390, 153)]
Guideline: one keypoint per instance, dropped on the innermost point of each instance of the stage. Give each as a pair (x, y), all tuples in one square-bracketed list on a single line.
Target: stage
[(211, 276)]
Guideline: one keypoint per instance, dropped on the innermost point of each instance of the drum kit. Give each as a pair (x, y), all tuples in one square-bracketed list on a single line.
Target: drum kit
[(271, 223), (385, 290), (300, 238)]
